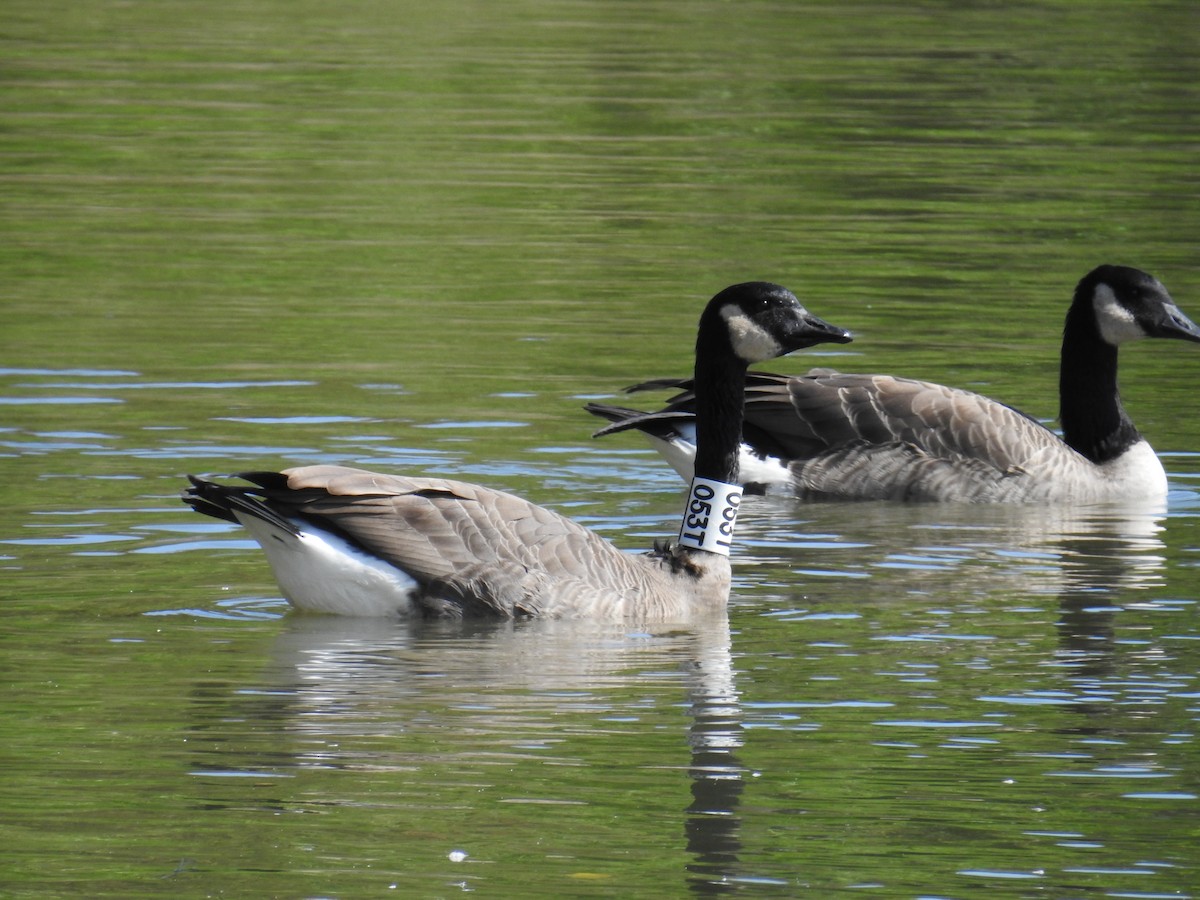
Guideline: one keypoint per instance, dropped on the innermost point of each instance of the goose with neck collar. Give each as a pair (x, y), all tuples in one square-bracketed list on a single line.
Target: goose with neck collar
[(353, 542)]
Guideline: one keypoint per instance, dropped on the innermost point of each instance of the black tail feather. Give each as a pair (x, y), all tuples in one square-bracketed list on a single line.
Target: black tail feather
[(657, 424), (221, 501)]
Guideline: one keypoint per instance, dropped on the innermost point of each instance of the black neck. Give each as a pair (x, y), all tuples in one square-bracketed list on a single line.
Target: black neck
[(719, 384), (1093, 420)]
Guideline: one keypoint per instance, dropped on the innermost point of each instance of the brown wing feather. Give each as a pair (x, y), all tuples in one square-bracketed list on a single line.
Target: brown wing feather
[(484, 551), (878, 436), (814, 413), (435, 528)]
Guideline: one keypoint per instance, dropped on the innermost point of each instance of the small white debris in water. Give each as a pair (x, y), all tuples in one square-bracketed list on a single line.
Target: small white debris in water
[(457, 855)]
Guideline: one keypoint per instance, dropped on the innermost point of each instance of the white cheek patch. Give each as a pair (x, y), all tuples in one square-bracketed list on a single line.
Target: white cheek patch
[(1116, 323), (749, 341)]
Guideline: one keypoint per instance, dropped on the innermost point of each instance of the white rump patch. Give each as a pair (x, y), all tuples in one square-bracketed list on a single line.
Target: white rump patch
[(750, 342), (680, 452), (1116, 322), (320, 572)]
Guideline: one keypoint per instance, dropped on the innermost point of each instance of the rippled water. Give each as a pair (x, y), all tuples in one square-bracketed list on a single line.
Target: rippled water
[(241, 235)]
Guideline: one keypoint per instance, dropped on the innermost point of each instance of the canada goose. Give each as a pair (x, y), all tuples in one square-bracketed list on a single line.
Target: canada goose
[(862, 437), (348, 541)]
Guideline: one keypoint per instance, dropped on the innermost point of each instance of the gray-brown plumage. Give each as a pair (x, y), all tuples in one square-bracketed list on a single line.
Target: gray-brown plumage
[(845, 436), (468, 550), (355, 542)]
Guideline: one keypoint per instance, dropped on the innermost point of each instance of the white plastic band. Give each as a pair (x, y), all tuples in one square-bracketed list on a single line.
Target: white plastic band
[(708, 518)]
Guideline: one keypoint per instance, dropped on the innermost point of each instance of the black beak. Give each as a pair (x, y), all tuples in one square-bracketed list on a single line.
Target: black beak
[(810, 330), (1174, 324)]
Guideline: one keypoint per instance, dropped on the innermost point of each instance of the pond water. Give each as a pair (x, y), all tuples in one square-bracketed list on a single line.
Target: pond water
[(241, 235)]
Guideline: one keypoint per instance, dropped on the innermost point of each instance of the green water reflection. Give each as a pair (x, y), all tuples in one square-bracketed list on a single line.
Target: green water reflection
[(241, 234)]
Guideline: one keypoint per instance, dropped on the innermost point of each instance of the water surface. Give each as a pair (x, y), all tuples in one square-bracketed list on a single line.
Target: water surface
[(244, 235)]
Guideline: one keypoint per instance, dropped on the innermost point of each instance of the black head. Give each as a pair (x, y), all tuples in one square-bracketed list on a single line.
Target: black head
[(1125, 304), (762, 321)]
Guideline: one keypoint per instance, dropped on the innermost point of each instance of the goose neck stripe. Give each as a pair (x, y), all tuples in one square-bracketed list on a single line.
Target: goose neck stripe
[(710, 514)]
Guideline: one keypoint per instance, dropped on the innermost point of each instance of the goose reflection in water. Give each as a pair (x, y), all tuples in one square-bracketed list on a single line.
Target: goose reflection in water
[(712, 822), (1111, 557), (465, 716), (372, 696), (954, 551)]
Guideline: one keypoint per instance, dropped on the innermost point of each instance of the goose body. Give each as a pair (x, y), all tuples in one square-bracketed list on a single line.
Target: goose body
[(843, 436), (354, 542)]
